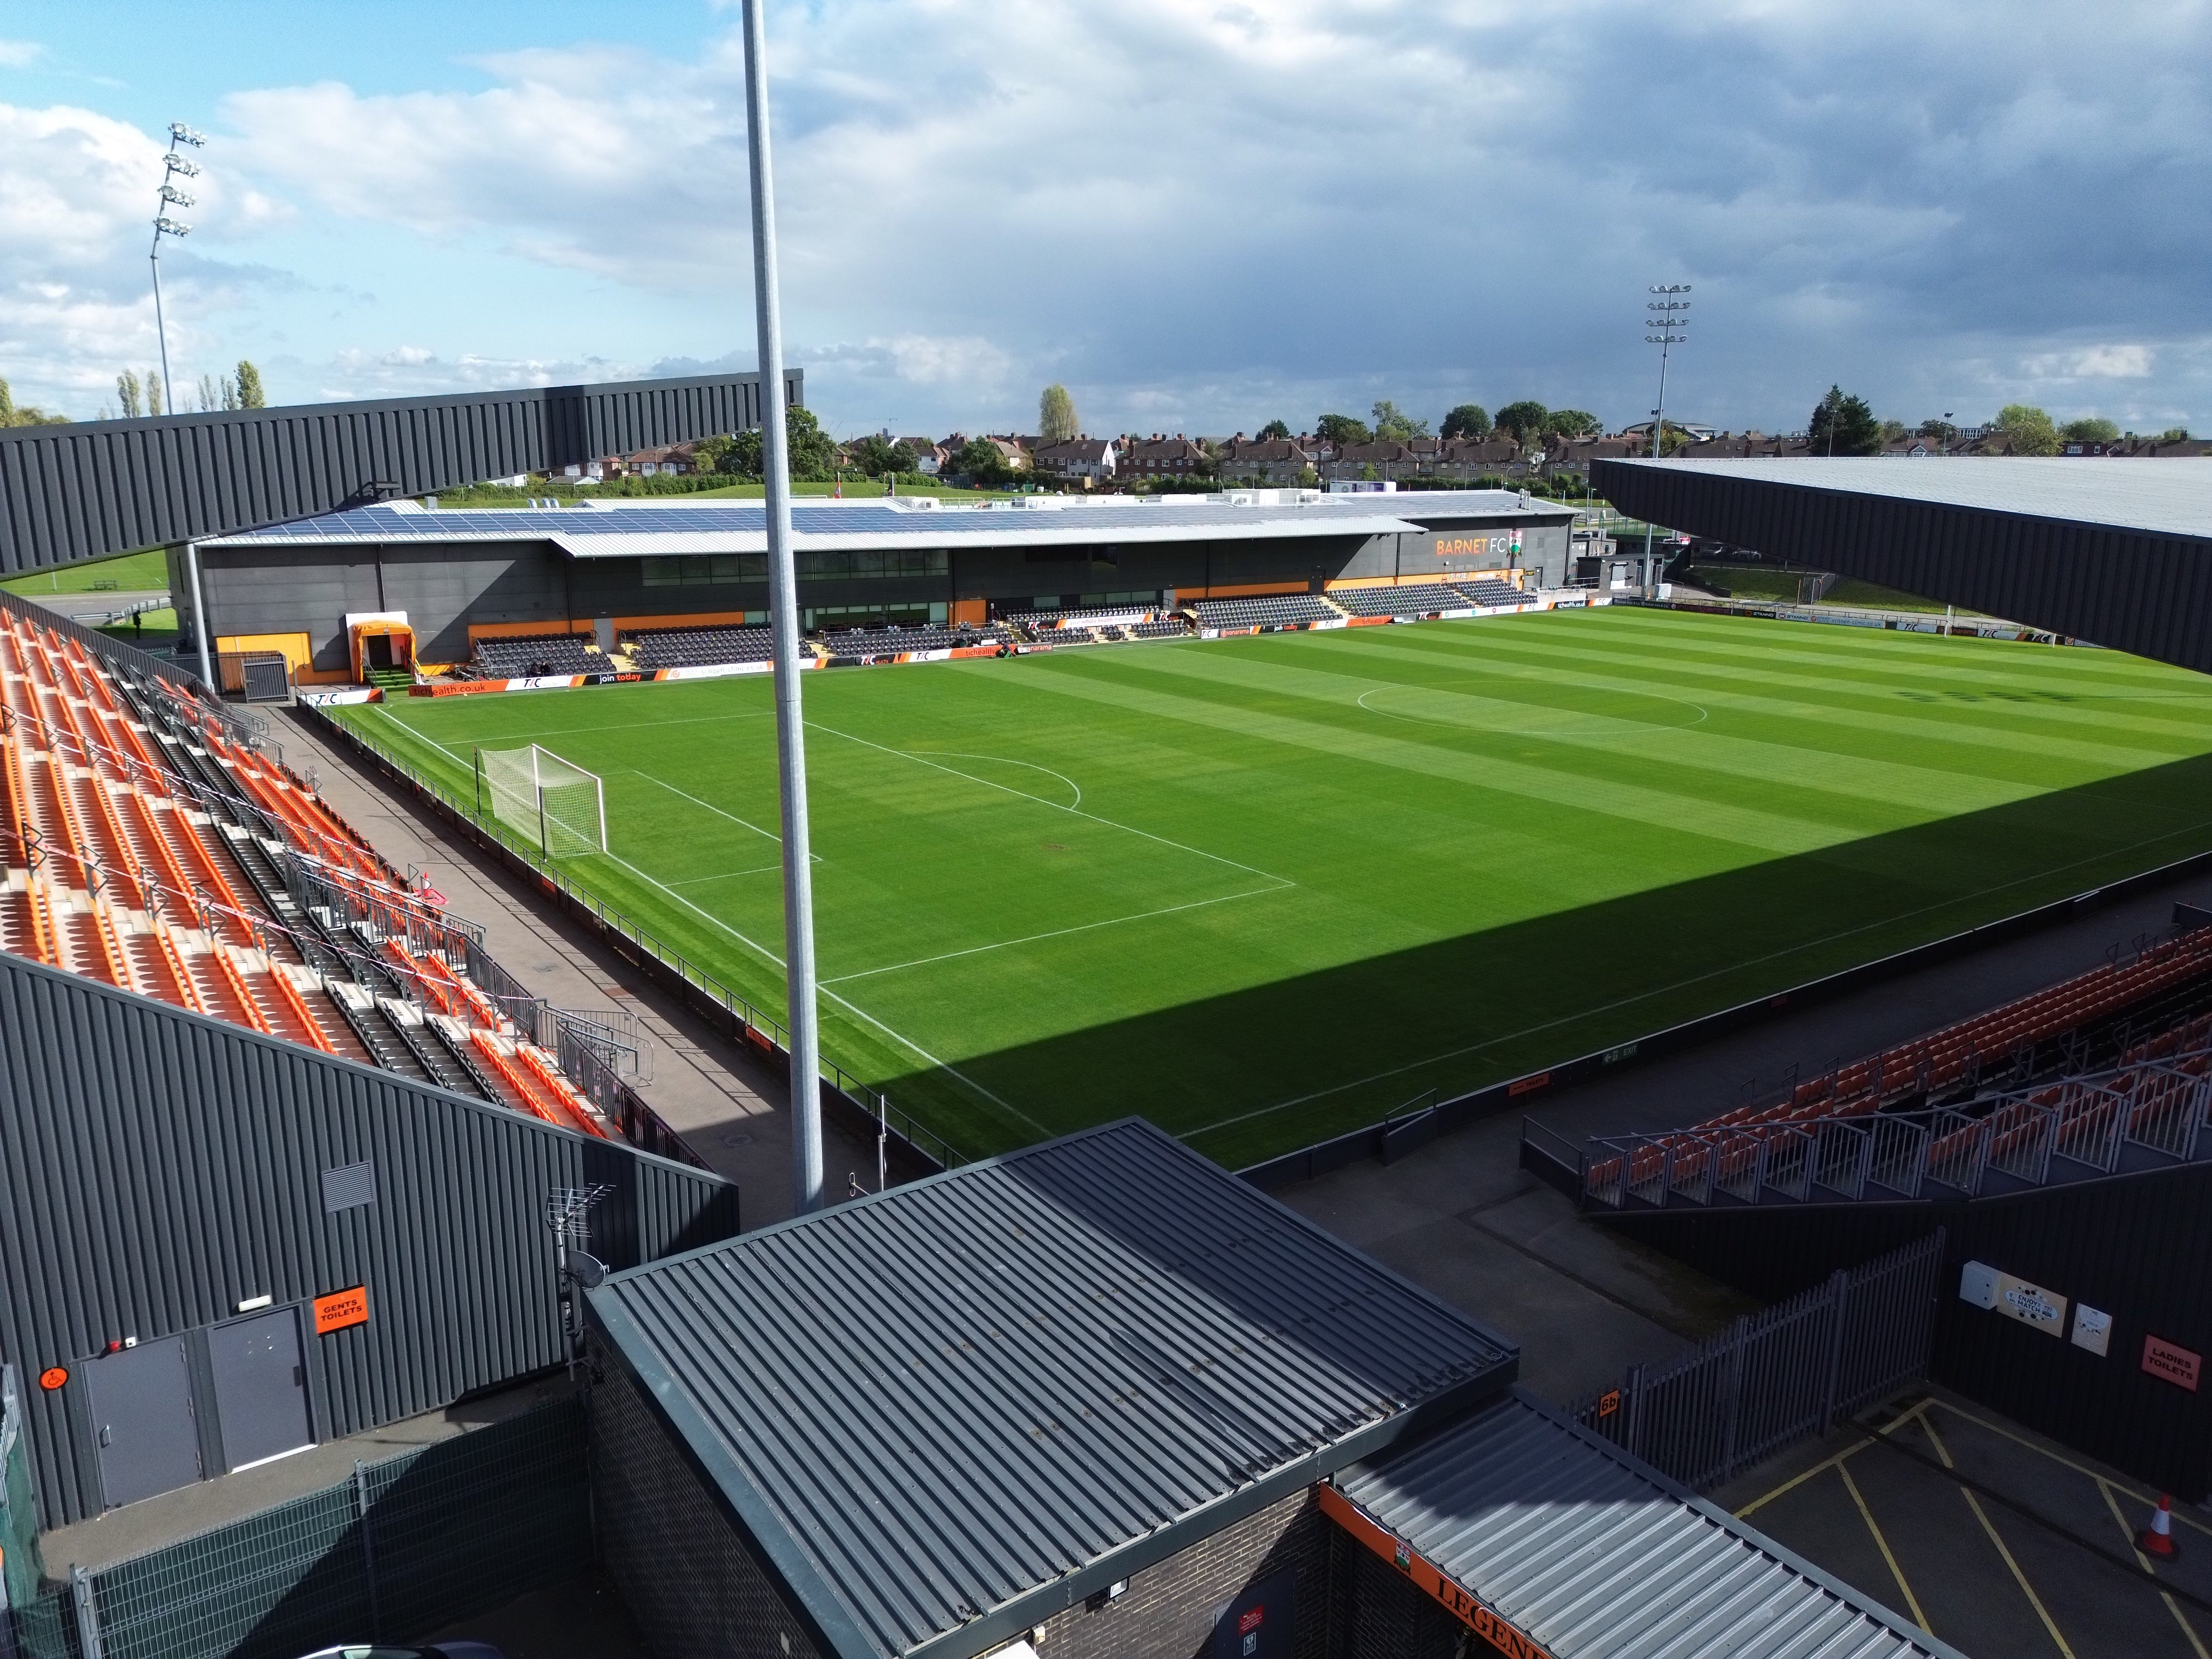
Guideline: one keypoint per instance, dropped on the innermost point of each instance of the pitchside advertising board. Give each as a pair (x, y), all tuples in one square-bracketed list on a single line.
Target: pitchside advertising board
[(2091, 1330)]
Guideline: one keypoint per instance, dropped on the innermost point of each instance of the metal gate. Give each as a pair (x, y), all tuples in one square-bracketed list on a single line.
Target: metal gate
[(1779, 1376), (258, 676)]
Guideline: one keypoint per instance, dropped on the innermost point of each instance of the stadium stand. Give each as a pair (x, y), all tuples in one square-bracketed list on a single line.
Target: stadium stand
[(699, 647), (1489, 592), (1277, 611), (145, 845), (889, 641), (1166, 628), (2111, 1056), (536, 654), (1424, 600)]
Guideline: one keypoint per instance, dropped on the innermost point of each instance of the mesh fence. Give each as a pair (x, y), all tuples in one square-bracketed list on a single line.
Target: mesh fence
[(406, 1546)]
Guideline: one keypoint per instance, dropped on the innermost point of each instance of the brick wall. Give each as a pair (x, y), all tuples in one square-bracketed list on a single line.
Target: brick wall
[(694, 1591), (1384, 1617), (1170, 1611)]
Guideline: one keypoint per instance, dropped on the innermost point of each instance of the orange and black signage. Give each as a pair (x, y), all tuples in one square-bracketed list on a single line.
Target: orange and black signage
[(341, 1309), (52, 1377), (1462, 1604)]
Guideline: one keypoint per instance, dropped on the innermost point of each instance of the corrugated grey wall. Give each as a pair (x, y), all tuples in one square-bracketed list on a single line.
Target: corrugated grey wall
[(75, 492), (2132, 591), (157, 1169)]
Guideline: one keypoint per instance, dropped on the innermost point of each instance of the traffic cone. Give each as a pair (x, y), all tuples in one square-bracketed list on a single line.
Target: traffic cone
[(2156, 1540)]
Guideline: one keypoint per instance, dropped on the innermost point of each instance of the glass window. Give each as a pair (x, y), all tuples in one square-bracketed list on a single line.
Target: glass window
[(662, 572)]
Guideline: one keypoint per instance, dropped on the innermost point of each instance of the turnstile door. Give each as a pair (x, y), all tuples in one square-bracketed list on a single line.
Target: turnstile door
[(141, 1414), (260, 1387)]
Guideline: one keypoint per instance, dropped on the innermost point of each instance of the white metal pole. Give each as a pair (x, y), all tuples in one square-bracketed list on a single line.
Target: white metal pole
[(200, 616), (783, 612)]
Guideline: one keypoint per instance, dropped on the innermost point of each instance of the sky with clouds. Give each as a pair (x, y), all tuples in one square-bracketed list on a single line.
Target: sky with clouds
[(1198, 217)]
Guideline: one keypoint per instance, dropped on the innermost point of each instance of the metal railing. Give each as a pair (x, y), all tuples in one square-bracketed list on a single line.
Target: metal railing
[(749, 1021), (2148, 1111), (1779, 1376)]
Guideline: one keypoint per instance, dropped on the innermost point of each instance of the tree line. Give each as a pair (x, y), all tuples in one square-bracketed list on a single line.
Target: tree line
[(1845, 424)]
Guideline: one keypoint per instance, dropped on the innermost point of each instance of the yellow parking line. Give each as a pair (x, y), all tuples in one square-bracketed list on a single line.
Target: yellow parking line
[(2078, 1468), (2171, 1606), (1982, 1516), (1827, 1463), (1897, 1573)]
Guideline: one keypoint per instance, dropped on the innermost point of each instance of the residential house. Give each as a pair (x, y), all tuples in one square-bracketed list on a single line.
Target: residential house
[(664, 458), (1019, 453), (1280, 461), (1372, 460), (1091, 460), (929, 455), (1462, 460), (1161, 457)]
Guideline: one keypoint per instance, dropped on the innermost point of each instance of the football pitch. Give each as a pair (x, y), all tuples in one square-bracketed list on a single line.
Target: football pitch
[(1263, 890)]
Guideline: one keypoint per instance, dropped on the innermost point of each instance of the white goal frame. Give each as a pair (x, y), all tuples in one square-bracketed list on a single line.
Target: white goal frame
[(516, 784)]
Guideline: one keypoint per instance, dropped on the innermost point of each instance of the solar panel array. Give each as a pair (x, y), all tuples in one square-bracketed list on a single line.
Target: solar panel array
[(1355, 514)]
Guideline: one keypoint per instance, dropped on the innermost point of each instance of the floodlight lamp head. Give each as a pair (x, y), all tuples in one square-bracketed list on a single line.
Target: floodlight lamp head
[(181, 134), (172, 194), (177, 164), (167, 227)]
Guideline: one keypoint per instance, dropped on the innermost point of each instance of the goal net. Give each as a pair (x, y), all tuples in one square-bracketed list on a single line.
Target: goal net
[(559, 805)]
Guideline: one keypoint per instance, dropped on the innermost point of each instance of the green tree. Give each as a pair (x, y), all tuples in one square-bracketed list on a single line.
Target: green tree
[(2026, 429), (153, 393), (813, 456), (2094, 428), (13, 414), (1524, 420), (1275, 429), (128, 394), (1891, 431), (2174, 434), (876, 455), (1056, 417), (1843, 425), (712, 454), (1342, 429), (248, 381), (1938, 431), (1394, 426), (1570, 423), (1467, 421), (980, 462)]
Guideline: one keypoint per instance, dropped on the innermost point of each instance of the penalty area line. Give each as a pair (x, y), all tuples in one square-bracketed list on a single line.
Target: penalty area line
[(1057, 932)]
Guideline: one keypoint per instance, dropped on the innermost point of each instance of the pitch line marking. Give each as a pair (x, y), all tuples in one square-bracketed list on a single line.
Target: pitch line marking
[(1057, 932), (956, 754), (850, 1007), (754, 945), (708, 804), (1663, 990), (731, 875), (1128, 828)]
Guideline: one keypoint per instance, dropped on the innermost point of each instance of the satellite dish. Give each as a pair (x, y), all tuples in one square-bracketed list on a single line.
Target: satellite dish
[(586, 1270)]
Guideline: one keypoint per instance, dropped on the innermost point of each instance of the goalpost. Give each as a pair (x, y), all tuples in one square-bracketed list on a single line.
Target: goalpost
[(555, 802)]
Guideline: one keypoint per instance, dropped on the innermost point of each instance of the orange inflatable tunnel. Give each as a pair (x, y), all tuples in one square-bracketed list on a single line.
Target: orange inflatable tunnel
[(380, 640)]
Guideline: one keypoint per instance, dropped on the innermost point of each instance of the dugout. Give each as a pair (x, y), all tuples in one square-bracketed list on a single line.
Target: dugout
[(609, 567)]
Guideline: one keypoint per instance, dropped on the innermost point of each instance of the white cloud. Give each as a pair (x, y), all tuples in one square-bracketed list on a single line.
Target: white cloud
[(20, 54), (1203, 216)]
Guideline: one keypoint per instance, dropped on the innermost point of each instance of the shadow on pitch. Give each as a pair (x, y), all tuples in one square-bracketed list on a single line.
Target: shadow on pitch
[(1256, 1071)]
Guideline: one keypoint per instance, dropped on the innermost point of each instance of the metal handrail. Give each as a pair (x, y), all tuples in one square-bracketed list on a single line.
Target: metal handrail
[(2033, 1136)]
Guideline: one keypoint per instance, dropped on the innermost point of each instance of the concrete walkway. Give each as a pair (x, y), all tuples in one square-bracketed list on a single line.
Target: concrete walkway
[(728, 1106)]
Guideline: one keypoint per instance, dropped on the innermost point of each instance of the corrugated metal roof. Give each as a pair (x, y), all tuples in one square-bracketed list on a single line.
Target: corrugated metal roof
[(945, 1410), (604, 530), (2170, 497), (1595, 1556)]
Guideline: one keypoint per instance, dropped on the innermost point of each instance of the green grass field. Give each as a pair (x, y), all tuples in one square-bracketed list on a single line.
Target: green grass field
[(1262, 891), (142, 572)]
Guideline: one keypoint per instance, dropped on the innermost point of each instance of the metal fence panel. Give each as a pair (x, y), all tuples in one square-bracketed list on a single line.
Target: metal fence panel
[(404, 1546), (1781, 1375)]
